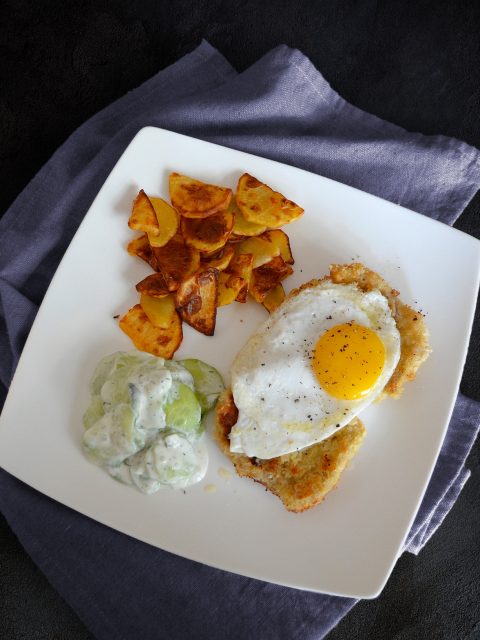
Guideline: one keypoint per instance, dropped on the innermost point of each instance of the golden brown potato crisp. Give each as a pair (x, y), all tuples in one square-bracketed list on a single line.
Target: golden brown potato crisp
[(196, 301), (274, 298), (176, 261), (143, 216), (219, 259), (242, 266), (266, 277), (195, 199), (208, 234), (209, 249), (153, 286), (141, 248), (161, 342), (264, 206)]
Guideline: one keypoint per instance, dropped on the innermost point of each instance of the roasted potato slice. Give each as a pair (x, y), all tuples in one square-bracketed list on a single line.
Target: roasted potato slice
[(264, 206), (274, 298), (262, 250), (176, 261), (208, 234), (195, 199), (161, 342), (242, 227), (241, 266), (143, 217), (267, 277), (158, 310), (234, 238), (219, 259), (168, 221), (196, 301), (153, 286), (229, 288), (140, 247), (280, 239)]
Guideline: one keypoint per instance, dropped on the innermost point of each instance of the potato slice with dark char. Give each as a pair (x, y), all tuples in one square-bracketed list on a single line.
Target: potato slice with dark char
[(264, 206), (267, 277), (230, 287), (195, 199), (218, 259), (141, 248), (208, 234), (242, 266), (153, 286), (196, 301), (143, 216), (176, 261), (161, 342), (274, 298)]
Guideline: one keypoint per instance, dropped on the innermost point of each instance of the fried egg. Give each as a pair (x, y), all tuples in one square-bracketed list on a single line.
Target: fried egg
[(324, 355)]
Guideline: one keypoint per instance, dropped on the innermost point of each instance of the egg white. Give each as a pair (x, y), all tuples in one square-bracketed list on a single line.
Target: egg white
[(282, 407)]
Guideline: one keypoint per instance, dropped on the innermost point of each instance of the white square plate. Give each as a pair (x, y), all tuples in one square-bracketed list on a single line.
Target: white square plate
[(347, 545)]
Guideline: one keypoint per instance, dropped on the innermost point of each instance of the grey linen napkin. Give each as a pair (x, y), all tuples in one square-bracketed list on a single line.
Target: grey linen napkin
[(281, 108)]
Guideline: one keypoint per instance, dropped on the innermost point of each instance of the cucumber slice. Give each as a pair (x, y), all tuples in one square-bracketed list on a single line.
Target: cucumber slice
[(208, 382), (114, 437), (180, 373), (101, 373), (94, 412), (170, 460), (183, 412)]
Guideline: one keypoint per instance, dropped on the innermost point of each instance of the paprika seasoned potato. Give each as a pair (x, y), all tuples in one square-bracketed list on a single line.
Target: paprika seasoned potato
[(176, 260), (195, 199), (218, 259), (158, 310), (154, 286), (264, 206), (207, 248), (143, 216), (274, 298), (230, 287), (262, 250), (159, 341), (208, 234), (280, 240), (266, 277), (168, 221), (241, 226), (196, 301), (140, 247), (242, 266)]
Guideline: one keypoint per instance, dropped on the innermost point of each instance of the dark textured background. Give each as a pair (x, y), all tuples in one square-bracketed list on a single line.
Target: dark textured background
[(414, 63)]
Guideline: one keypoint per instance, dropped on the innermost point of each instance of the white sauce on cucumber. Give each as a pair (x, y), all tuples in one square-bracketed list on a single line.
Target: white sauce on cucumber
[(144, 423)]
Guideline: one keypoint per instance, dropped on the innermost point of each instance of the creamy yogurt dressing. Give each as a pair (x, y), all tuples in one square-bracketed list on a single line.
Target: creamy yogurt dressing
[(144, 422)]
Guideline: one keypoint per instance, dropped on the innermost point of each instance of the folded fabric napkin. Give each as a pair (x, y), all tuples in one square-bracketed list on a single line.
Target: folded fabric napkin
[(281, 108)]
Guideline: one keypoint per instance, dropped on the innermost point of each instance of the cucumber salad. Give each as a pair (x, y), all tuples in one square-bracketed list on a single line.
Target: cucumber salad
[(145, 421)]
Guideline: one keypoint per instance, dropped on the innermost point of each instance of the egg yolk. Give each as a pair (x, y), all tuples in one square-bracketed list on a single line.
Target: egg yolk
[(348, 360)]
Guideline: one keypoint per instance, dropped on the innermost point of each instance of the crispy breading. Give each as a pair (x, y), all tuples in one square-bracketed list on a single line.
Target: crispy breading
[(411, 324), (300, 479)]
